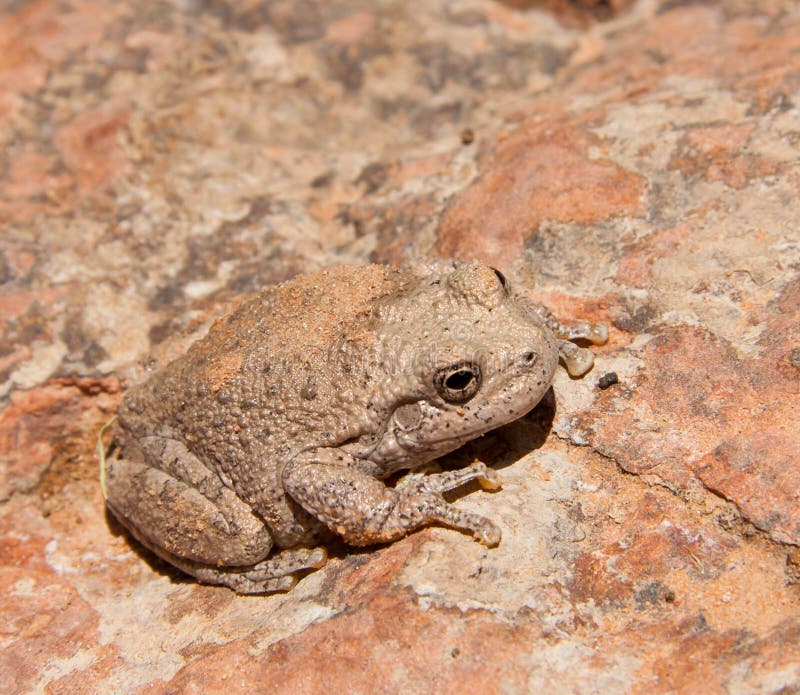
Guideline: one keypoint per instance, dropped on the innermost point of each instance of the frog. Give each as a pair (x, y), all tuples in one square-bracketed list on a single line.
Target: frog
[(304, 416)]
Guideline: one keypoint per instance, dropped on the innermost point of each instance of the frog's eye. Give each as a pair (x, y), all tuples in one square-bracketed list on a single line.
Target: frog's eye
[(501, 278), (459, 382)]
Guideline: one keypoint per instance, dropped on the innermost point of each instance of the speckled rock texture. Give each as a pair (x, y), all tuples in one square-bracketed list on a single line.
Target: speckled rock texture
[(635, 163)]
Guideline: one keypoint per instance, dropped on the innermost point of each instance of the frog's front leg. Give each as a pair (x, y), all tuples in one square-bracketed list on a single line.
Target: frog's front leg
[(578, 360), (183, 513), (333, 487)]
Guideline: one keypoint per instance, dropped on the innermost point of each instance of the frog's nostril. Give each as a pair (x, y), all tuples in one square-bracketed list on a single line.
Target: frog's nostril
[(528, 358)]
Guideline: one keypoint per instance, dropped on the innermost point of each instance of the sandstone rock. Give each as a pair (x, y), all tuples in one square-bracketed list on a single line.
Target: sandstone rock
[(636, 166)]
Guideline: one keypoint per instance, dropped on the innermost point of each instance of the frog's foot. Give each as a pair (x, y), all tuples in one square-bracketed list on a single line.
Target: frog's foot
[(450, 480), (595, 333), (242, 584), (431, 487), (482, 529), (577, 360), (276, 573)]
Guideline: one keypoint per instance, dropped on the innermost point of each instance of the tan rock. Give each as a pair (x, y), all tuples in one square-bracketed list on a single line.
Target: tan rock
[(640, 170)]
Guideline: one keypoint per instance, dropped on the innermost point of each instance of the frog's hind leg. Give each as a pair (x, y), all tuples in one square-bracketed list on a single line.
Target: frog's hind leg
[(277, 573), (188, 517)]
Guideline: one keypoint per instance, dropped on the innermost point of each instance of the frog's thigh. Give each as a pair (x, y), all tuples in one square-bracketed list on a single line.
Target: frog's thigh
[(179, 522)]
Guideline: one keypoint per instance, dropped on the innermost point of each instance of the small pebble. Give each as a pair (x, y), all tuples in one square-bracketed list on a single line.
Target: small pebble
[(467, 136), (607, 380)]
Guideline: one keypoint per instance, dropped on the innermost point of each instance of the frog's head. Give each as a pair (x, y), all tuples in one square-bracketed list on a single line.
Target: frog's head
[(465, 355)]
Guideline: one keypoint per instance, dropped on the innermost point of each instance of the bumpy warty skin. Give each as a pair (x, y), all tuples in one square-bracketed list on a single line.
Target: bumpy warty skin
[(265, 383), (353, 360)]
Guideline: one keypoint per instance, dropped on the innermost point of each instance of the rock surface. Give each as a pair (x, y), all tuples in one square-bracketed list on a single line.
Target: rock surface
[(161, 159)]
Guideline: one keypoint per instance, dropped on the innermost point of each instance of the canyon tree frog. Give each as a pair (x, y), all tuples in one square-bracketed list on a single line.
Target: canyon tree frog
[(278, 429)]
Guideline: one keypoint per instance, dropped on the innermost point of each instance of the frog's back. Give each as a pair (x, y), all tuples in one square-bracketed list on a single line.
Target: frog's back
[(263, 381)]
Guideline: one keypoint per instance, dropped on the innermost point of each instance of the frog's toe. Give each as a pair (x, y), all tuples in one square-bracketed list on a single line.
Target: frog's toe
[(598, 333), (287, 562), (488, 478), (595, 333), (245, 585), (450, 480), (577, 360), (488, 533), (317, 558), (482, 529)]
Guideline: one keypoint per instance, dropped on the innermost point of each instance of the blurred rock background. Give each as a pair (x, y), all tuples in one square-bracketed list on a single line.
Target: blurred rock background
[(635, 163)]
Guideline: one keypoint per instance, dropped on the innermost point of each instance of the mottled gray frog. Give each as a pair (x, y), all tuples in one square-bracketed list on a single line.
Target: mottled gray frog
[(239, 459)]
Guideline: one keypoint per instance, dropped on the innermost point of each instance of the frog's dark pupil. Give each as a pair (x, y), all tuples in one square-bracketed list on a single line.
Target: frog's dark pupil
[(457, 381)]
